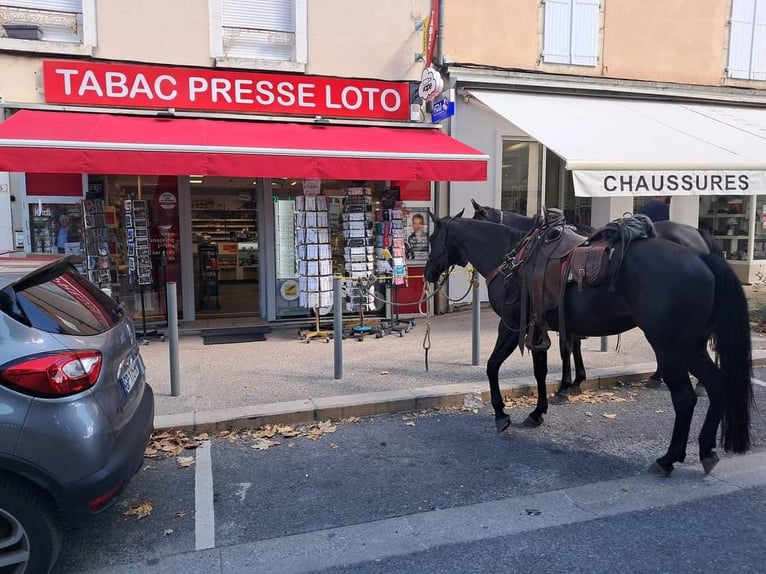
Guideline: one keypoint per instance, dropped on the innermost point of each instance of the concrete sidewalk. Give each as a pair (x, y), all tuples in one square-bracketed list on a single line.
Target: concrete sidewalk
[(286, 380)]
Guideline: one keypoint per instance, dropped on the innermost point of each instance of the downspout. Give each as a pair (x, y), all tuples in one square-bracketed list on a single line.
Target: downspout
[(441, 188)]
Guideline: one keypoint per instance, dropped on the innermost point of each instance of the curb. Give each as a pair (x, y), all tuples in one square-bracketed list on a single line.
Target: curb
[(388, 402)]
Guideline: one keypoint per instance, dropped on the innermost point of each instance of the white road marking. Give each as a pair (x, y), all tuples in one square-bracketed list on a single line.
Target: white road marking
[(759, 382), (204, 515), (242, 490)]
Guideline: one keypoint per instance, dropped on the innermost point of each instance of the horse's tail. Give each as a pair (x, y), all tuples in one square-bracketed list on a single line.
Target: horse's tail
[(713, 246), (732, 334)]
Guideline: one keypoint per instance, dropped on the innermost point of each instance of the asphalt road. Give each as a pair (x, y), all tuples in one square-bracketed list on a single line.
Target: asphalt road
[(442, 492)]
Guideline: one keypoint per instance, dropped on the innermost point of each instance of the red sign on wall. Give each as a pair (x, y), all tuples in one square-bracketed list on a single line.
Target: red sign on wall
[(160, 87)]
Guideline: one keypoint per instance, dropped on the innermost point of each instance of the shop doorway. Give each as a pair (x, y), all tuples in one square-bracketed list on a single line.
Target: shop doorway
[(224, 221)]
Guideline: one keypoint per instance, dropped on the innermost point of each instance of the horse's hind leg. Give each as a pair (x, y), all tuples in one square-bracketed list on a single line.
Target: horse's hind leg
[(684, 399), (713, 379), (507, 340)]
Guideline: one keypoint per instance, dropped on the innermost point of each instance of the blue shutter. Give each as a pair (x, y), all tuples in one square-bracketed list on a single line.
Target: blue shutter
[(557, 32), (758, 61), (741, 38), (585, 24)]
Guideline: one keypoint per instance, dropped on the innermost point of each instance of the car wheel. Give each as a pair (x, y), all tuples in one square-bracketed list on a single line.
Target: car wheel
[(30, 529)]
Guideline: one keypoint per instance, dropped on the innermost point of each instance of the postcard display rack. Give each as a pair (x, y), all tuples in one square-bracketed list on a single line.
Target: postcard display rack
[(136, 219), (359, 257), (95, 244), (313, 259), (390, 260)]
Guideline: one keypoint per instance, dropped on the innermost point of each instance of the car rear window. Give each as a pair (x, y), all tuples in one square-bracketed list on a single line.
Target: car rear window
[(62, 302)]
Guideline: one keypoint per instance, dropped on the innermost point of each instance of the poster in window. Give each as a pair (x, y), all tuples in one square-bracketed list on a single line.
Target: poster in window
[(417, 224)]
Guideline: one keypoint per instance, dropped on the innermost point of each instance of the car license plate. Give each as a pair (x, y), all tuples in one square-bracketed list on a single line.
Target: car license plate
[(130, 373)]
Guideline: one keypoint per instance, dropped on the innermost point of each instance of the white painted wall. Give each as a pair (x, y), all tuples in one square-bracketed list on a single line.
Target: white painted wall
[(6, 226)]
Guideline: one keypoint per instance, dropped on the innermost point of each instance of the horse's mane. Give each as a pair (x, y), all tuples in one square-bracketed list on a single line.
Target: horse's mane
[(712, 244)]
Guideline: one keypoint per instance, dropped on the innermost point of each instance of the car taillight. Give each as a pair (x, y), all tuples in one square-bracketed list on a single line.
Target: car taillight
[(53, 374)]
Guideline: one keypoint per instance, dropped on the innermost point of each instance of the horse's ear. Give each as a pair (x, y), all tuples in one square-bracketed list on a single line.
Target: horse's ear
[(460, 214), (434, 218), (476, 206)]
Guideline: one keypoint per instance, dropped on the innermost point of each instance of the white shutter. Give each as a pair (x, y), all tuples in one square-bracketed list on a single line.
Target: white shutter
[(59, 20), (758, 66), (261, 30), (557, 32), (55, 5), (585, 19), (741, 38)]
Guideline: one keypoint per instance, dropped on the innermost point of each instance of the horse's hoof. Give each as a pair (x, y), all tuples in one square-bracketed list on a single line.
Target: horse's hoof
[(502, 423), (709, 462), (659, 470), (654, 383), (559, 398), (530, 422)]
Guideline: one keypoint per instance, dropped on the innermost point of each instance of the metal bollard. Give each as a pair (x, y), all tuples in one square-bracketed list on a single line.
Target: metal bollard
[(476, 335), (337, 322), (175, 382)]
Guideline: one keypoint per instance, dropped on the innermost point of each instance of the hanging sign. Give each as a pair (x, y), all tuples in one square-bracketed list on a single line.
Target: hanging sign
[(431, 84), (442, 110)]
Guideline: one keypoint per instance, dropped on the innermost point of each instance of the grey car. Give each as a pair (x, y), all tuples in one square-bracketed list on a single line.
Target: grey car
[(75, 409)]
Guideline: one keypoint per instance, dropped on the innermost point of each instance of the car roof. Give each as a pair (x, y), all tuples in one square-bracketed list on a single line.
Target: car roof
[(15, 265)]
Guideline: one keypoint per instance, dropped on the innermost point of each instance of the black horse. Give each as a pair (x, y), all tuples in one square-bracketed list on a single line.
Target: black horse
[(700, 240), (677, 297)]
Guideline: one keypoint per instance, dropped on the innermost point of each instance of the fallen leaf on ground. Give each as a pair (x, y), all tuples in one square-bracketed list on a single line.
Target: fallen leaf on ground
[(410, 424), (264, 444), (168, 531), (609, 416), (140, 510), (185, 461)]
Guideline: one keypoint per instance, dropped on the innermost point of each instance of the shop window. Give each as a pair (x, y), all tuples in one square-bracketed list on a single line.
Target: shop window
[(55, 227), (267, 35), (759, 244), (49, 26), (727, 218), (747, 40), (141, 225), (571, 33), (520, 166)]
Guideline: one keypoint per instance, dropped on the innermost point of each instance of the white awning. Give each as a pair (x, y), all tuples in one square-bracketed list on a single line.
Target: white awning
[(619, 147)]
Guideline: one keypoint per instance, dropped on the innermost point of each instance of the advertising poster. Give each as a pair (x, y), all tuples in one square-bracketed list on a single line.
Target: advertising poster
[(417, 225)]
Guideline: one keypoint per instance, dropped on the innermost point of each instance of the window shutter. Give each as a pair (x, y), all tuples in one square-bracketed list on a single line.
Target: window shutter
[(741, 38), (59, 20), (259, 30), (557, 32), (758, 67), (585, 18)]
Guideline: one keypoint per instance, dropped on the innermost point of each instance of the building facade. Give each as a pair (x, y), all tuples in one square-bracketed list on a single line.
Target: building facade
[(173, 149), (597, 106)]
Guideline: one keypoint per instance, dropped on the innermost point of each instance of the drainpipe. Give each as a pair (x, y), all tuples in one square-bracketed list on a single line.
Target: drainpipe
[(441, 189)]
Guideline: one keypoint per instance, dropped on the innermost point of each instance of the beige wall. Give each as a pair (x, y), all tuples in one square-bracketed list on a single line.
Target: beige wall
[(683, 41), (494, 32), (21, 79), (666, 40), (368, 39), (166, 31)]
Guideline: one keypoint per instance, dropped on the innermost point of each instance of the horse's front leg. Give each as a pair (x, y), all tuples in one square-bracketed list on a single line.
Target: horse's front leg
[(540, 363), (507, 340), (569, 346)]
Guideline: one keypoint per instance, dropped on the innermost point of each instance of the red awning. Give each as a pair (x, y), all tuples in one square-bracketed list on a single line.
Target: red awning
[(73, 142)]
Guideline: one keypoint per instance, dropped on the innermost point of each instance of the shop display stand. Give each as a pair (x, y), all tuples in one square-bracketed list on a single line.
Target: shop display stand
[(359, 259), (389, 250), (314, 260), (136, 214)]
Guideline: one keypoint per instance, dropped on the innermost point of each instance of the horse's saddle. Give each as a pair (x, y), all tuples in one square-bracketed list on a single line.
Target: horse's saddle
[(545, 252)]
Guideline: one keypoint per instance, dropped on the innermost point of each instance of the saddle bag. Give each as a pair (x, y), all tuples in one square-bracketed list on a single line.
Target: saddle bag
[(590, 263)]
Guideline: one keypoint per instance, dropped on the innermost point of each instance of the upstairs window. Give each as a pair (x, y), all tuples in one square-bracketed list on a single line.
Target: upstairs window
[(48, 26), (747, 40), (269, 33), (571, 32)]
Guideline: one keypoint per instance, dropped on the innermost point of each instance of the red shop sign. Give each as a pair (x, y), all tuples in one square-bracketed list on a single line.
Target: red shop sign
[(160, 87)]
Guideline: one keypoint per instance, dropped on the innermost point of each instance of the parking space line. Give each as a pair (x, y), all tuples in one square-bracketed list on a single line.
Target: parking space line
[(759, 382), (204, 515)]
